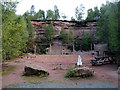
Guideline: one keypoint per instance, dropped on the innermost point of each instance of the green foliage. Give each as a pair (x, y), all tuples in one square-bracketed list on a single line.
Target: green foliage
[(41, 49), (29, 25), (70, 72), (50, 15), (49, 33), (108, 30), (53, 15), (64, 16), (62, 33), (66, 37), (56, 13), (90, 14), (9, 6), (35, 82), (79, 11), (78, 44), (32, 12), (93, 14), (40, 15), (29, 28), (86, 40), (85, 43), (72, 19), (14, 33)]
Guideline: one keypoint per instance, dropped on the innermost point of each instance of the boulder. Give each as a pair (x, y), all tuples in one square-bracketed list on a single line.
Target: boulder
[(35, 70), (80, 72)]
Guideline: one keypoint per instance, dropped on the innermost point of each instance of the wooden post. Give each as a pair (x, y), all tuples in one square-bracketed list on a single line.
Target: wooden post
[(94, 46), (61, 50), (60, 66), (35, 50), (50, 49), (73, 49), (91, 46)]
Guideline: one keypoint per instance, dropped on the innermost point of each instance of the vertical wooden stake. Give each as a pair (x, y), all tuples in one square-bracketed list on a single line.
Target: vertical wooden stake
[(50, 49), (35, 50), (91, 46), (73, 49), (61, 50)]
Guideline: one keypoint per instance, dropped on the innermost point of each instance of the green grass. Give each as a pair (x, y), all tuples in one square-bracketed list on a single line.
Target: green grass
[(35, 82), (70, 72), (53, 81), (31, 85)]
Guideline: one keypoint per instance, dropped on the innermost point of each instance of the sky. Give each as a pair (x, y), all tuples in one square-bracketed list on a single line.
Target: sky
[(65, 6)]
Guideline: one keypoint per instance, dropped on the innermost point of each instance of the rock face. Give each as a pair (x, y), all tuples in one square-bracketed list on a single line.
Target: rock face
[(80, 72), (34, 70), (78, 28)]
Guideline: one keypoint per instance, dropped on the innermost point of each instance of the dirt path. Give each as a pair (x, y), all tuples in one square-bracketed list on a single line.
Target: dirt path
[(104, 73)]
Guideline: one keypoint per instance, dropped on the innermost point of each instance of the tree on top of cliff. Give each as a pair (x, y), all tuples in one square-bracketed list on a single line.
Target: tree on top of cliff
[(56, 13), (79, 12), (93, 14), (50, 15)]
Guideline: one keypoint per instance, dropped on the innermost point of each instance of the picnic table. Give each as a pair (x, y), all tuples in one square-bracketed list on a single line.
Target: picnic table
[(102, 60)]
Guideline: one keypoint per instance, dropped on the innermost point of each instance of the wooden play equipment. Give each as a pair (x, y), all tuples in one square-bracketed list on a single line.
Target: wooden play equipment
[(102, 58)]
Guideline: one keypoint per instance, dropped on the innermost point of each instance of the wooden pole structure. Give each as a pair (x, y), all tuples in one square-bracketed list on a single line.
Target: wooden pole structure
[(34, 46), (61, 50), (91, 46), (35, 49), (50, 49), (73, 49)]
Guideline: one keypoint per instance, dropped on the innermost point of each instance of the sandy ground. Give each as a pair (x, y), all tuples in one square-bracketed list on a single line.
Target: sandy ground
[(105, 73)]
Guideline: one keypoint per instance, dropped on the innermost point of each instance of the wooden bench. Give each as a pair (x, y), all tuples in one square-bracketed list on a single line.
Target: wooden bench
[(102, 60)]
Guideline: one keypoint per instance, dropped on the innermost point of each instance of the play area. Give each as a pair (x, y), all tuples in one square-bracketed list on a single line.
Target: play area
[(57, 66), (56, 44)]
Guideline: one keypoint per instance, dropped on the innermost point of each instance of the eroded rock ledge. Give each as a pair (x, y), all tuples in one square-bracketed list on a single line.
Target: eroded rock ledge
[(35, 70)]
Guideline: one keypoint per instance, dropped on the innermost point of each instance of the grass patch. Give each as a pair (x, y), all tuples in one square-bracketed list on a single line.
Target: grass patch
[(31, 85), (70, 72), (35, 82), (52, 81), (6, 69)]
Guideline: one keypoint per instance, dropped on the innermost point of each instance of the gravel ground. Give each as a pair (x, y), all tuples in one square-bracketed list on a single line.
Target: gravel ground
[(106, 74), (62, 85)]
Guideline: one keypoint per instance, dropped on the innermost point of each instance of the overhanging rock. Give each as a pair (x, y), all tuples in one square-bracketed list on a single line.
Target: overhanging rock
[(35, 70)]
